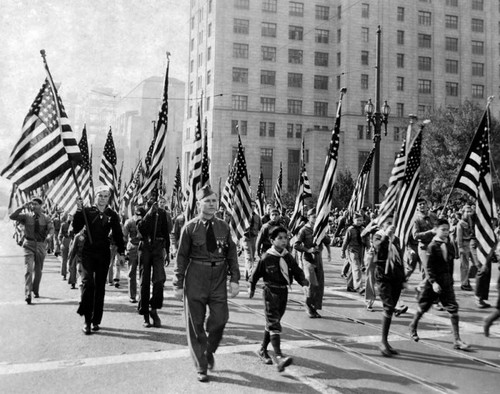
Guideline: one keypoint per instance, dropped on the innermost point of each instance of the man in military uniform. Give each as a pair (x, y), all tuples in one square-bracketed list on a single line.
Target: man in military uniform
[(131, 235), (37, 226), (101, 219), (207, 249), (155, 228)]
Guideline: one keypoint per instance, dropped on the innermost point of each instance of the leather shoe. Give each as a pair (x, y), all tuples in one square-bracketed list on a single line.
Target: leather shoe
[(400, 311), (481, 304), (460, 345), (28, 300), (466, 287), (73, 286), (95, 327), (132, 300), (36, 295), (392, 350), (146, 324), (155, 317), (386, 352), (413, 334), (202, 377), (282, 362), (86, 329), (210, 360)]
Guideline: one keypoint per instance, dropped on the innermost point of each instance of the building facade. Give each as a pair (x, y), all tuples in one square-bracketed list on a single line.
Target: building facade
[(272, 70)]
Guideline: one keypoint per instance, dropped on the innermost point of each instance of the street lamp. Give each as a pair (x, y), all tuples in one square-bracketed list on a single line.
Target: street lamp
[(376, 118)]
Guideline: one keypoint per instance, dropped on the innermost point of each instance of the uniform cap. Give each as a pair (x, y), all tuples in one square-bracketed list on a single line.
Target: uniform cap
[(358, 215), (204, 192), (37, 199), (101, 188)]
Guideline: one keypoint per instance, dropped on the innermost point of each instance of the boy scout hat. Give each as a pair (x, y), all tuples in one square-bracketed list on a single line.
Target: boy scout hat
[(37, 199), (204, 192), (101, 188)]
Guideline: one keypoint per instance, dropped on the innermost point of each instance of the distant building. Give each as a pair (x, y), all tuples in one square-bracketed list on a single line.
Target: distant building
[(273, 69)]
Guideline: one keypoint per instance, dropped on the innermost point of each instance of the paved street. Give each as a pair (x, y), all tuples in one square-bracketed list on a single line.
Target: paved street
[(42, 348)]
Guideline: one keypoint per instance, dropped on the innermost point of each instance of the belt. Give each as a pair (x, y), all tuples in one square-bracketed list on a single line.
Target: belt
[(276, 286), (155, 239), (209, 263), (33, 240)]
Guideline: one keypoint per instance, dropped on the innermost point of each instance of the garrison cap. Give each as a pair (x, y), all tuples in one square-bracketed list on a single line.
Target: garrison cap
[(204, 192)]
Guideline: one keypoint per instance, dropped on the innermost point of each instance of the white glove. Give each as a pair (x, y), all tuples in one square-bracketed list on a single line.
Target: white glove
[(235, 289), (436, 287)]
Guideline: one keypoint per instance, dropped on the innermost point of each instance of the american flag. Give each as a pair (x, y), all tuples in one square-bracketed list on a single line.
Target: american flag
[(64, 191), (410, 187), (177, 195), (325, 199), (131, 188), (261, 195), (474, 178), (47, 144), (205, 163), (241, 211), (227, 194), (107, 171), (195, 183), (277, 190), (303, 193), (358, 194), (158, 151)]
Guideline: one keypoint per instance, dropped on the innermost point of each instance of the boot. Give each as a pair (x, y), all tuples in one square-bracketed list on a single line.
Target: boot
[(281, 361), (266, 340), (414, 325), (385, 348), (458, 344), (488, 321)]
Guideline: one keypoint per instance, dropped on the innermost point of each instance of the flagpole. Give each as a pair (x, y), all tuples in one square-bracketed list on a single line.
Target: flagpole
[(51, 82)]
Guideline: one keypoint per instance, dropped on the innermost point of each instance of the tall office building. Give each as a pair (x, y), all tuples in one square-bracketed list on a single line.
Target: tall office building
[(272, 69)]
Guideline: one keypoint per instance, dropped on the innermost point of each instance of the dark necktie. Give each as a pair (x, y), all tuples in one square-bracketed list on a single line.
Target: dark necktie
[(37, 226), (211, 241)]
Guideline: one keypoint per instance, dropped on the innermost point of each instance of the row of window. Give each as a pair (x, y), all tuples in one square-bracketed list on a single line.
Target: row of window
[(268, 77), (266, 129), (269, 29), (268, 104), (295, 8), (451, 43), (268, 53)]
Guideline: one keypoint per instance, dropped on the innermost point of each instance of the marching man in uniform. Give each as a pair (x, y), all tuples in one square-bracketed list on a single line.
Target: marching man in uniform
[(206, 254)]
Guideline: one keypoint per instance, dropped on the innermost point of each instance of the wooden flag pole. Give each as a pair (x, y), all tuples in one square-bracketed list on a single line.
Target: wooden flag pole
[(58, 112)]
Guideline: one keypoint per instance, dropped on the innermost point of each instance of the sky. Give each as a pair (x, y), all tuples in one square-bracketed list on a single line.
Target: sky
[(88, 44)]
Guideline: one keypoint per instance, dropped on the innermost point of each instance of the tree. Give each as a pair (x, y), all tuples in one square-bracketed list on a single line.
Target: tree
[(343, 188), (445, 143)]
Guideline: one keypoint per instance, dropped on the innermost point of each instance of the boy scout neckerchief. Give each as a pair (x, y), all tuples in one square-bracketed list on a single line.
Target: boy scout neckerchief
[(283, 265)]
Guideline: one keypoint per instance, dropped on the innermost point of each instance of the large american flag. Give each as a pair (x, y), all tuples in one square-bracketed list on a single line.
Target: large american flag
[(177, 195), (325, 199), (304, 192), (195, 182), (158, 151), (205, 163), (241, 211), (65, 191), (107, 171), (260, 199), (131, 188), (358, 194), (47, 144), (410, 187), (474, 178), (228, 191), (278, 203)]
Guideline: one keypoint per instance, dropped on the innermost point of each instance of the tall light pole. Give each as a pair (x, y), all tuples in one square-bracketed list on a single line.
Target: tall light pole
[(375, 117)]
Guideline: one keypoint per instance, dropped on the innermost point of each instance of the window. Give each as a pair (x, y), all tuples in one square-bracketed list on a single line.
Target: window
[(268, 77), (271, 127), (266, 165), (322, 12), (339, 58), (296, 9), (401, 37), (241, 26), (209, 77), (477, 5), (294, 80), (451, 21), (365, 34), (268, 54), (478, 69), (365, 10), (338, 82), (321, 82), (321, 59), (364, 58), (191, 65), (322, 36), (209, 6), (320, 108), (191, 87), (243, 4), (400, 110), (478, 47), (289, 130), (293, 172), (339, 35), (424, 18), (477, 25), (451, 44), (192, 22), (339, 12), (364, 81), (209, 30), (267, 104), (240, 75), (400, 84), (298, 131), (424, 63), (424, 86), (239, 125), (397, 133), (262, 129), (368, 134), (295, 56), (191, 44), (269, 5), (400, 60), (295, 107), (266, 128), (208, 104), (200, 37), (424, 40), (209, 53), (240, 51), (239, 103), (361, 131), (401, 14), (452, 89), (452, 3), (451, 66), (363, 105), (268, 29), (295, 33)]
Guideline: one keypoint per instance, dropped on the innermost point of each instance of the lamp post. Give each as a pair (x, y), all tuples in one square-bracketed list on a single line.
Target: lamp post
[(376, 118)]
